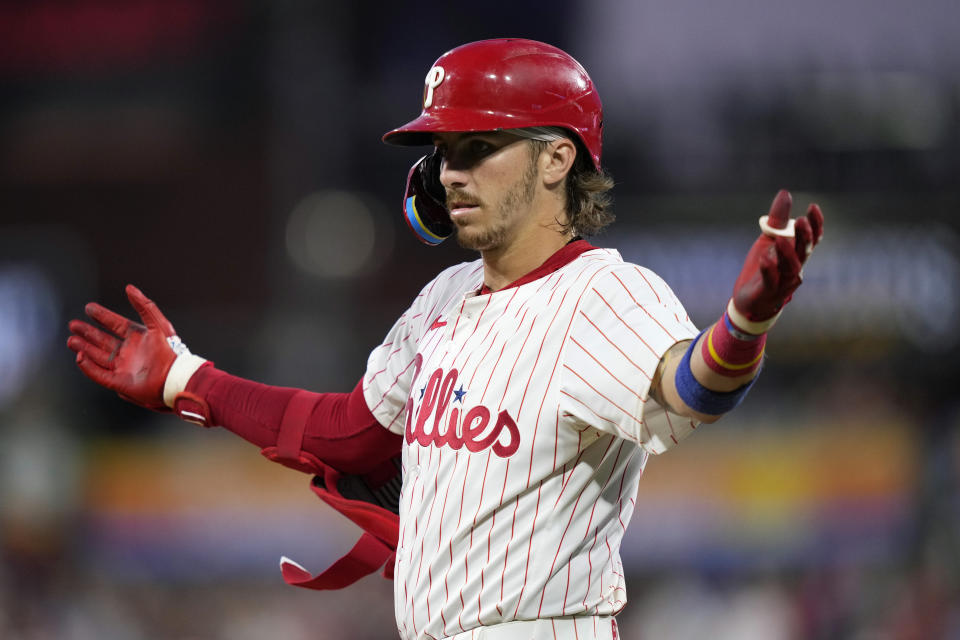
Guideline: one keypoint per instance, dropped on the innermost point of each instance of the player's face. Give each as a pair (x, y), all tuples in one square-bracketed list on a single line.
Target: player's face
[(490, 179)]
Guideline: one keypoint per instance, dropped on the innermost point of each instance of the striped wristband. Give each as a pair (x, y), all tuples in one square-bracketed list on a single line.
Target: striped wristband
[(730, 352)]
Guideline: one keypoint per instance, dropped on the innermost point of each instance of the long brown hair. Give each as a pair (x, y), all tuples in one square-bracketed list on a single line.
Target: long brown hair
[(588, 198)]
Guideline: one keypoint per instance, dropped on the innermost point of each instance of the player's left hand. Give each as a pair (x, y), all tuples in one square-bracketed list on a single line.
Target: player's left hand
[(773, 268), (130, 358)]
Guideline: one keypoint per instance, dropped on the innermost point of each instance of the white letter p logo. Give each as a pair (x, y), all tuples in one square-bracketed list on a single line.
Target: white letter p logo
[(434, 78)]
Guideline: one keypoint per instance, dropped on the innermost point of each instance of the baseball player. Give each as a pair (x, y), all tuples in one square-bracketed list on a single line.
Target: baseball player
[(492, 450)]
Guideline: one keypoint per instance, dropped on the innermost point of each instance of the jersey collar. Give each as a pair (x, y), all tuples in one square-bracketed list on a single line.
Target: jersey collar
[(566, 254)]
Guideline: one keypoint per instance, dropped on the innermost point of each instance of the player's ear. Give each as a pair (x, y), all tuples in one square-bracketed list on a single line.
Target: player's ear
[(557, 160)]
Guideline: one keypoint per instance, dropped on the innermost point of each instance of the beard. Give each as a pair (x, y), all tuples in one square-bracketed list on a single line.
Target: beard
[(493, 233)]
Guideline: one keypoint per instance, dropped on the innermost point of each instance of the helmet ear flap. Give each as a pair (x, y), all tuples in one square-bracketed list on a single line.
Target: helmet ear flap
[(424, 202)]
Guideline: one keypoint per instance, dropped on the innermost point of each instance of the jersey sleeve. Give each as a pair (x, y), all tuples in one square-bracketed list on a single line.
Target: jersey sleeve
[(624, 324), (391, 366)]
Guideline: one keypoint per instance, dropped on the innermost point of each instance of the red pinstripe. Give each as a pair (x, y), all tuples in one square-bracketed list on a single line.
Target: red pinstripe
[(506, 551), (493, 520), (533, 440), (486, 351), (537, 427), (494, 323), (514, 367), (623, 479), (560, 546), (413, 612), (443, 510), (502, 347), (391, 354), (623, 434), (615, 346), (590, 521), (395, 418), (533, 527), (610, 373), (430, 316), (553, 369), (533, 371), (556, 439), (566, 478), (546, 282), (597, 391), (426, 530), (553, 292), (493, 370), (480, 346), (586, 592), (624, 323), (493, 523), (459, 315), (476, 323), (395, 380), (524, 317), (640, 272), (466, 563), (610, 556), (463, 492), (642, 307), (526, 566), (436, 338), (673, 434)]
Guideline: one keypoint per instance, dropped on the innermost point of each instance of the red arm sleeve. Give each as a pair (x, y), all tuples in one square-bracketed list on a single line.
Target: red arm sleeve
[(340, 430)]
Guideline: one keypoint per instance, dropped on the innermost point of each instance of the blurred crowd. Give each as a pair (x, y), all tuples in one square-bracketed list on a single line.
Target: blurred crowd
[(225, 157)]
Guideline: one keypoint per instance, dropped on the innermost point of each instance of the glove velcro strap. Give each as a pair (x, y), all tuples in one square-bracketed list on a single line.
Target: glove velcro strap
[(741, 321), (366, 556), (192, 408), (305, 462), (289, 450)]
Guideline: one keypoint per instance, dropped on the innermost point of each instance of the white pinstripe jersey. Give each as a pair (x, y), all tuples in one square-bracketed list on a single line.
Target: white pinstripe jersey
[(522, 412)]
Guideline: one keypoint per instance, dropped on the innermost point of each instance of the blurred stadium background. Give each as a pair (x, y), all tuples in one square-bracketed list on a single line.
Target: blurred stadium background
[(225, 157)]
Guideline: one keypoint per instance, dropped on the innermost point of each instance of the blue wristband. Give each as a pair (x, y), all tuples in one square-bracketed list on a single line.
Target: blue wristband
[(698, 397)]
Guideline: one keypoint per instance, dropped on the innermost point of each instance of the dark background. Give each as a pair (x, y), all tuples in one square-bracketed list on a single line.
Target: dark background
[(226, 157)]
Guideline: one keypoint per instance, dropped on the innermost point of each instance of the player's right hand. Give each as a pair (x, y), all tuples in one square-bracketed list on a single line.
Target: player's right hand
[(130, 358)]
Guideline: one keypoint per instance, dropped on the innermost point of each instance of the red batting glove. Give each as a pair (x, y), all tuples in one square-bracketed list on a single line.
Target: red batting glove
[(772, 270), (127, 357)]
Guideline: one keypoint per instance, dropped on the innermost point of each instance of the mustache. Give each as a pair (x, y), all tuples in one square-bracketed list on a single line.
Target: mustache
[(458, 196)]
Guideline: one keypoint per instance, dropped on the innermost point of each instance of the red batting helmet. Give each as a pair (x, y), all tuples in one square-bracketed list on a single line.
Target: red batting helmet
[(507, 83)]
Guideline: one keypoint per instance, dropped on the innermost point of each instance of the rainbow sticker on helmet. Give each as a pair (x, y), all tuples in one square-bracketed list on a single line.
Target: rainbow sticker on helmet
[(416, 224)]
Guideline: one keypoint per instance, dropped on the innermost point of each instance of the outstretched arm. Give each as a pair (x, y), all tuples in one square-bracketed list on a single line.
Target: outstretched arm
[(148, 365), (708, 377)]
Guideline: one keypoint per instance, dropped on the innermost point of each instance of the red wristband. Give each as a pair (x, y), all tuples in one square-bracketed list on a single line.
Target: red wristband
[(726, 350)]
